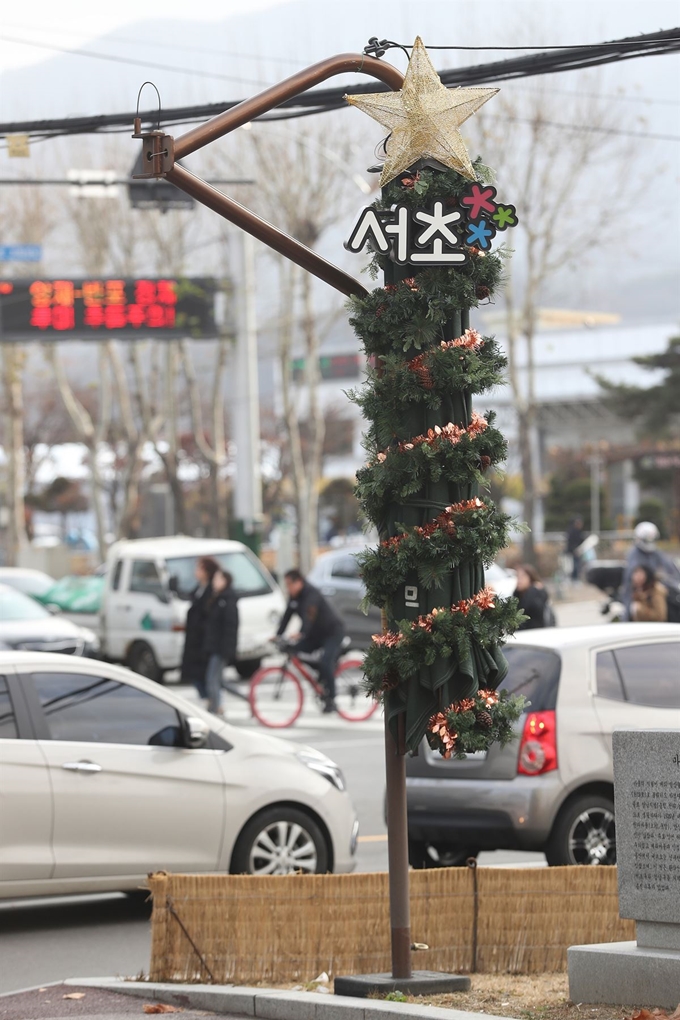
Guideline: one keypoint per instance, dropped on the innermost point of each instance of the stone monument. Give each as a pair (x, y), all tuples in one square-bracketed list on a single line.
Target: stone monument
[(647, 804)]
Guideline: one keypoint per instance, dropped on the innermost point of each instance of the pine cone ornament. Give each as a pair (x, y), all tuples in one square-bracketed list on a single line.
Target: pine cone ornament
[(482, 292), (484, 720)]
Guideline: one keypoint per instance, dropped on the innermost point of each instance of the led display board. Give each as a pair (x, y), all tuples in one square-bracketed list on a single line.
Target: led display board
[(83, 309)]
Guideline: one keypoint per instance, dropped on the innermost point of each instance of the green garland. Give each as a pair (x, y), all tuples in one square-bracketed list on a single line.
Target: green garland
[(472, 724), (425, 379), (402, 474), (454, 536), (440, 660)]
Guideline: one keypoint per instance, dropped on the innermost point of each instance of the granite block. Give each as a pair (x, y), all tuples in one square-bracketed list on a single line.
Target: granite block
[(647, 801), (624, 974)]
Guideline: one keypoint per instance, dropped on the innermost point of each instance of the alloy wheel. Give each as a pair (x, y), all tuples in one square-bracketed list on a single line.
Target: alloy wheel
[(592, 837), (281, 849)]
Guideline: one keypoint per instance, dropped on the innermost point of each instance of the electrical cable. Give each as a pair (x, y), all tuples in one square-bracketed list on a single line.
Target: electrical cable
[(324, 100), (135, 62)]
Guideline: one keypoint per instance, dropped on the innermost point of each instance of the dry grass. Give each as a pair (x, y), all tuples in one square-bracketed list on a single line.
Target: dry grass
[(528, 997)]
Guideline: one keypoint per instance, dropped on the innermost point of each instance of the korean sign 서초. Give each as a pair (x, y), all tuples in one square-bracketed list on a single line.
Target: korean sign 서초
[(436, 236)]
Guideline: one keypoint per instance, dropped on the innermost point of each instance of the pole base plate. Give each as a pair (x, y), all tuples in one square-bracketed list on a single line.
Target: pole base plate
[(422, 982)]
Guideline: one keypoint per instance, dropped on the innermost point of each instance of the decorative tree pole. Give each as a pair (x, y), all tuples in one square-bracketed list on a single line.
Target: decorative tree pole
[(438, 663)]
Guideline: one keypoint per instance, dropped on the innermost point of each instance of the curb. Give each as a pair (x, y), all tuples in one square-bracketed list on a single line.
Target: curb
[(276, 1004)]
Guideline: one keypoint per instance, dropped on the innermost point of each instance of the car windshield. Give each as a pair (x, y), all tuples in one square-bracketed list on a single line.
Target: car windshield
[(249, 578), (533, 673), (14, 605)]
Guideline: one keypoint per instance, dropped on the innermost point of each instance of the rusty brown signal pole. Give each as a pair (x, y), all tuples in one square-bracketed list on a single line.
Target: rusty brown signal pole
[(160, 152)]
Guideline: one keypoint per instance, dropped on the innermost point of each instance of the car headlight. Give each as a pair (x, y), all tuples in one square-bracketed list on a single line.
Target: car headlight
[(326, 767), (91, 643)]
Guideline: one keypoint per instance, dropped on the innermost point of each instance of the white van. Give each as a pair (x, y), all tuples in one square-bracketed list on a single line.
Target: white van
[(149, 583)]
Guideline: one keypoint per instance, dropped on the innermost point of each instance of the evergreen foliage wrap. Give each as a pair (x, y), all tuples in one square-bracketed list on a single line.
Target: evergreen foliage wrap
[(428, 452)]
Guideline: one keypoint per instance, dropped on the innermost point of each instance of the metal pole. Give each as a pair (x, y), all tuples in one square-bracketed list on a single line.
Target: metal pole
[(246, 401), (397, 853), (246, 111), (263, 231), (595, 462)]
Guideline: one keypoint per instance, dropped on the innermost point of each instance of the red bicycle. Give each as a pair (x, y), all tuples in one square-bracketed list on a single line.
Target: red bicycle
[(276, 695)]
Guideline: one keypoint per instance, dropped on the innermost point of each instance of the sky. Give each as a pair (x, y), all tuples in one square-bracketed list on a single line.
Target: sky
[(74, 23)]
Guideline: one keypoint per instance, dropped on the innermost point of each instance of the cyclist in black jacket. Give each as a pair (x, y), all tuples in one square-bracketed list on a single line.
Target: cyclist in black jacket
[(322, 628)]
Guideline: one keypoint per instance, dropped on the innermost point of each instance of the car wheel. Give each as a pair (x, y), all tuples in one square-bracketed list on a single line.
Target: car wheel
[(142, 660), (246, 667), (584, 833), (280, 841), (427, 855)]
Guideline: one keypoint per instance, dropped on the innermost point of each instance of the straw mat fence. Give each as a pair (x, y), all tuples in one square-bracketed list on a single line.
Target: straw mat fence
[(247, 930)]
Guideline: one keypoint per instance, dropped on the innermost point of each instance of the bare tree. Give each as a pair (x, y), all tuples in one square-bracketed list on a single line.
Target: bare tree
[(554, 175), (303, 188), (91, 426), (12, 377), (30, 217)]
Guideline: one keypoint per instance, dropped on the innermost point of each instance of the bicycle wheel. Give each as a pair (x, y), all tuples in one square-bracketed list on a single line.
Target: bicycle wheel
[(352, 701), (275, 697)]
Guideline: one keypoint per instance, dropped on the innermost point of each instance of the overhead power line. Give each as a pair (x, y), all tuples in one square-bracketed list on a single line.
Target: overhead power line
[(324, 100), (136, 62)]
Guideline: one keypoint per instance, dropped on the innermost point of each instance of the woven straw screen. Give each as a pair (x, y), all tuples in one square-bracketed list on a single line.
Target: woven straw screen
[(245, 930)]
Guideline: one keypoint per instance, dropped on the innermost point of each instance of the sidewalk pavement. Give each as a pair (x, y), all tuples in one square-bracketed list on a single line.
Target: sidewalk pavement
[(210, 1000)]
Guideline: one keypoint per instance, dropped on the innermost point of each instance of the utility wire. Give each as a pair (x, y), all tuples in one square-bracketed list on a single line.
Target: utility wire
[(136, 62), (324, 100)]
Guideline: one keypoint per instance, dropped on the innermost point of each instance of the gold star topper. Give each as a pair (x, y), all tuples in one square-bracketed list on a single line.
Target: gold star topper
[(424, 117)]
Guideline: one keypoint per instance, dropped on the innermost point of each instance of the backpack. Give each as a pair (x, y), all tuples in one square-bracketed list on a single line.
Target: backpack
[(673, 602)]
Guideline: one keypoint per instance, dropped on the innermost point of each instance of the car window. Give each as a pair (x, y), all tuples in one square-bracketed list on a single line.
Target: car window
[(345, 566), (608, 677), (146, 578), (8, 725), (117, 572), (534, 673), (651, 674), (96, 709), (14, 605), (248, 577)]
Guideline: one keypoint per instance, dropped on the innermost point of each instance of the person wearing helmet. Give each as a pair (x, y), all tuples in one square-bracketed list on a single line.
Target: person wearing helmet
[(645, 554)]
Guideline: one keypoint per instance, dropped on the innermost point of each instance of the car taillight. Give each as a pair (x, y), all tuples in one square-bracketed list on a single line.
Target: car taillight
[(178, 628), (538, 748)]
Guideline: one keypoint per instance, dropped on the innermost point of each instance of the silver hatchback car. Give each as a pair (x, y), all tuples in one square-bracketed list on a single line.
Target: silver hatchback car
[(551, 789)]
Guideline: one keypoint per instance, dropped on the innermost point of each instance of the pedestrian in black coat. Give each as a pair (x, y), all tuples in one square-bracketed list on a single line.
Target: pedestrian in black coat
[(194, 661), (533, 599), (221, 636)]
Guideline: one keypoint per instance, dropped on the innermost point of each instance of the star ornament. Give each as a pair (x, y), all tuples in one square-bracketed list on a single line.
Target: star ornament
[(423, 117)]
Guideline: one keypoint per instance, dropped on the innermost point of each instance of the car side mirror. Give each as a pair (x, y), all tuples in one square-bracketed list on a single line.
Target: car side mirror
[(196, 732), (173, 584)]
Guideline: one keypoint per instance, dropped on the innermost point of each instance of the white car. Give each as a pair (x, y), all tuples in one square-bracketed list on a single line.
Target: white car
[(32, 582), (25, 625), (149, 583), (105, 777)]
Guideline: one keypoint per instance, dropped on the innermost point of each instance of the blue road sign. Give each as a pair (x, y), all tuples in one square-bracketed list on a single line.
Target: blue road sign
[(20, 252)]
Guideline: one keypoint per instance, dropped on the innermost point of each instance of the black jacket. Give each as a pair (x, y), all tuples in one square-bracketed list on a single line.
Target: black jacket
[(221, 626), (533, 602), (194, 658), (319, 620)]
